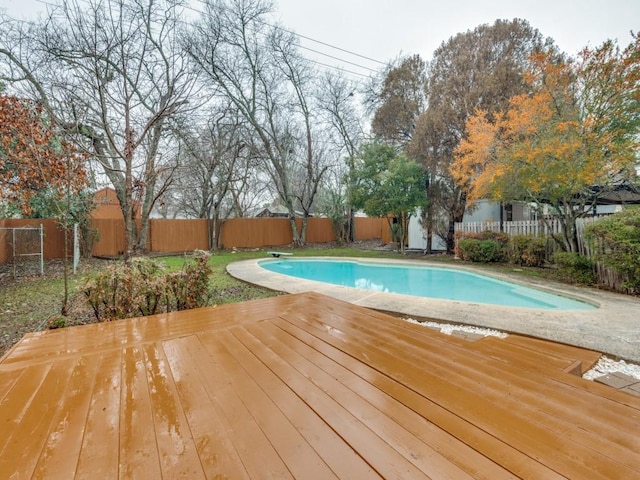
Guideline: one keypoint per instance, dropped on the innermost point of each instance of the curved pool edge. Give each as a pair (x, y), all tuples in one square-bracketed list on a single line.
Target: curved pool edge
[(612, 328), (559, 289)]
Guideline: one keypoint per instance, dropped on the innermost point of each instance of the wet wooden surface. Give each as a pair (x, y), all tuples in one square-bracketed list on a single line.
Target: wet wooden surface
[(304, 386)]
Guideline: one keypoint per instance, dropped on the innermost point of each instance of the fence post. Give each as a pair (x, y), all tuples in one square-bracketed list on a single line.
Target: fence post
[(13, 244), (76, 248), (42, 250)]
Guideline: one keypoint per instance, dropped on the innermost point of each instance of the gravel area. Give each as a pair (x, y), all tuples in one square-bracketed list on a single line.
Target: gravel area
[(607, 365), (448, 328)]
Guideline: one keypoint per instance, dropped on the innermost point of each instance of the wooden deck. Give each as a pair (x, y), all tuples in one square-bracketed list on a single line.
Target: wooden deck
[(305, 386)]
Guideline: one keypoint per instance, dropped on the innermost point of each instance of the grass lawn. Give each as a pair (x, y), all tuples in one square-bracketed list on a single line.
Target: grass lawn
[(30, 304)]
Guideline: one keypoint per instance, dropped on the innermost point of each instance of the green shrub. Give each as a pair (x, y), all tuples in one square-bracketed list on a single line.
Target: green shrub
[(56, 322), (618, 237), (527, 251), (575, 267), (141, 287), (482, 251), (494, 251), (490, 235)]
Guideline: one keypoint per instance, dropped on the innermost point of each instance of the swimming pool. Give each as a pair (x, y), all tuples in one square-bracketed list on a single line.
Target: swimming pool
[(421, 281)]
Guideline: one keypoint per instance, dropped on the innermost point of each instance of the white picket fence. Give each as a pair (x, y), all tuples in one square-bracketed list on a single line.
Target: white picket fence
[(523, 227), (528, 227), (606, 275)]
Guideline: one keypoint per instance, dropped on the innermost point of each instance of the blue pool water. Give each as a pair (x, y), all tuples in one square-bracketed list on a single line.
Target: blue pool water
[(433, 282)]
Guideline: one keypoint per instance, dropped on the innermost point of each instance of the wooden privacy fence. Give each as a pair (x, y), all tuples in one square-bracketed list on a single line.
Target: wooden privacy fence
[(261, 232), (180, 235)]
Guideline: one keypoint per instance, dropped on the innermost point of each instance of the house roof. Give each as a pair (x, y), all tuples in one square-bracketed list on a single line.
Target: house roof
[(278, 210), (620, 195)]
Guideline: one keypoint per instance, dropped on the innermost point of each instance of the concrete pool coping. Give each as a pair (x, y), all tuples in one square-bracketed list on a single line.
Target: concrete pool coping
[(613, 328)]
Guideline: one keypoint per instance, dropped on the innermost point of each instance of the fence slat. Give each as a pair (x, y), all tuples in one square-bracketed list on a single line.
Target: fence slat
[(179, 235), (606, 275)]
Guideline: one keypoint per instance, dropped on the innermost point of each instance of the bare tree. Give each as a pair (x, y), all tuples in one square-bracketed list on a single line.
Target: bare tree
[(112, 74), (344, 122), (248, 189), (214, 168), (258, 69)]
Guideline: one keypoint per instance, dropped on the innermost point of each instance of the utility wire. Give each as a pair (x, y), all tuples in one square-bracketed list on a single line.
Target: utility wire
[(324, 43), (337, 58), (334, 67), (307, 38)]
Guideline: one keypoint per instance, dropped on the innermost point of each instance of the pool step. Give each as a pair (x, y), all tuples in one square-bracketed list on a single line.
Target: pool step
[(535, 354), (588, 358)]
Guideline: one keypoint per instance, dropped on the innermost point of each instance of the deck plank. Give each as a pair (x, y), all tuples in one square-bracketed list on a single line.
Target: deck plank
[(43, 346), (376, 452), (522, 357), (260, 458), (348, 372), (8, 378), (101, 440), (14, 406), (304, 386), (177, 452), (196, 384), (24, 444), (569, 415), (343, 460), (587, 357), (493, 448), (299, 456), (410, 446), (59, 456), (384, 323), (546, 438), (139, 456), (428, 343)]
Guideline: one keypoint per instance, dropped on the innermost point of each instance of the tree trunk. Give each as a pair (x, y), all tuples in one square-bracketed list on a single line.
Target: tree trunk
[(303, 230), (297, 240)]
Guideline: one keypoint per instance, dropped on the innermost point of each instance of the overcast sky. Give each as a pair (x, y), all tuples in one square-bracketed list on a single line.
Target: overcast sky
[(384, 29)]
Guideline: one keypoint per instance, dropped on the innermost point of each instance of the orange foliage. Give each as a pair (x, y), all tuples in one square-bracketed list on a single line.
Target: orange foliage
[(476, 162), (31, 156), (576, 129)]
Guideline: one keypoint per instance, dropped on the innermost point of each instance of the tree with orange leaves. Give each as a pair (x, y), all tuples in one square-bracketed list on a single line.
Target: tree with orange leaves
[(572, 139), (32, 157)]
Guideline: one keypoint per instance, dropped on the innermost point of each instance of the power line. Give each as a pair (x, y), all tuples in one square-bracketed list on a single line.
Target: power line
[(337, 58), (338, 68), (325, 44), (309, 38), (320, 42), (334, 67)]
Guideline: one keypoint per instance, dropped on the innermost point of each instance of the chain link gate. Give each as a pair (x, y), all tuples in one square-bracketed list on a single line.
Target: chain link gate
[(23, 251)]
